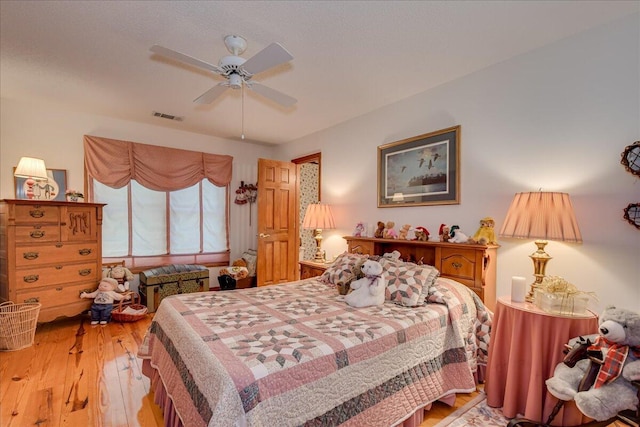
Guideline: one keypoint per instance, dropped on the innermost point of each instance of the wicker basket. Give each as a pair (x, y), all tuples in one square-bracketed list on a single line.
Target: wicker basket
[(119, 315), (18, 325)]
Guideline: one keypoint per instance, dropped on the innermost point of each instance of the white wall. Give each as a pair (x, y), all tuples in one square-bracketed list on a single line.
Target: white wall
[(57, 137), (556, 118)]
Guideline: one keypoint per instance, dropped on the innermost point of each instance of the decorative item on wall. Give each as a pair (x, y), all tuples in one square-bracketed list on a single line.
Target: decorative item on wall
[(632, 214), (50, 188), (246, 193), (631, 158), (418, 171), (542, 216)]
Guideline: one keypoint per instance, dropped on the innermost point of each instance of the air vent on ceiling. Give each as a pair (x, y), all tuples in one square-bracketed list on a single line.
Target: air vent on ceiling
[(167, 116)]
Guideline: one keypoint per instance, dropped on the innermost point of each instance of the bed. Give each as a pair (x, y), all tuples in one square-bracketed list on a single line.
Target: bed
[(296, 354)]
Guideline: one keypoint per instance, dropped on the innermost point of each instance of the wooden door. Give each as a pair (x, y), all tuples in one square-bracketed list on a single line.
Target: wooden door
[(277, 222)]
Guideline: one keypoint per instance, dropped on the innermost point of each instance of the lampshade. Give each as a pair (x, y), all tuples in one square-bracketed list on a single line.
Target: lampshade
[(541, 215), (30, 167), (318, 217)]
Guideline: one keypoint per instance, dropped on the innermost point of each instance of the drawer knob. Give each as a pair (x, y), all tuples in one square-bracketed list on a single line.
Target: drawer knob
[(31, 278), (59, 288), (37, 234), (34, 299), (456, 265), (58, 267), (85, 252), (85, 272), (30, 255), (59, 245), (36, 213)]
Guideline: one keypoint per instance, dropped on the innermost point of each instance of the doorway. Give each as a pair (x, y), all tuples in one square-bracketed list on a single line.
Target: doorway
[(309, 178)]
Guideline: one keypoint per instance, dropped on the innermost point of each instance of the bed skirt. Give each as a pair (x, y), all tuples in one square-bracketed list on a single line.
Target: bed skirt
[(172, 419)]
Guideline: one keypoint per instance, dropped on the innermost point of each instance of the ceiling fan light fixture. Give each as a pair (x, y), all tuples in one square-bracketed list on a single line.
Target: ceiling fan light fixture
[(235, 81)]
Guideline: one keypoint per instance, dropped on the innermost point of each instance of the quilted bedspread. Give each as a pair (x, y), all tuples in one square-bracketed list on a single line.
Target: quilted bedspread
[(297, 354)]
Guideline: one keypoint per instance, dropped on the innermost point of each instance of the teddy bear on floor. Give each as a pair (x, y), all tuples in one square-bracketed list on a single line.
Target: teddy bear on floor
[(485, 234), (618, 342), (103, 298), (369, 290), (122, 275)]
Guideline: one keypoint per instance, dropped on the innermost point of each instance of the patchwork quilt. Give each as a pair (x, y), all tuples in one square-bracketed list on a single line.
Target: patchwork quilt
[(297, 354)]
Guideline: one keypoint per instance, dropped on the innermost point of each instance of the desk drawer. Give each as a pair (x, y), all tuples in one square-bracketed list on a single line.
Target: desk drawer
[(54, 296)]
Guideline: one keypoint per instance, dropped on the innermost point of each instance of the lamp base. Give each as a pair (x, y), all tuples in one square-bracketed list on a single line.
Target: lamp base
[(540, 259), (319, 257)]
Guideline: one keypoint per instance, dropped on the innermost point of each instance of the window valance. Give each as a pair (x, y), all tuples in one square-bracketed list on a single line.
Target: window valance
[(115, 163)]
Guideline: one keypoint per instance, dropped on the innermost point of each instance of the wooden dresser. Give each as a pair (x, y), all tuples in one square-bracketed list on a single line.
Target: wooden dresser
[(49, 253), (472, 265)]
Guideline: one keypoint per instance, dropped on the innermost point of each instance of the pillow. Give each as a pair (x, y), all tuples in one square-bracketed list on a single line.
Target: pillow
[(407, 283), (340, 271)]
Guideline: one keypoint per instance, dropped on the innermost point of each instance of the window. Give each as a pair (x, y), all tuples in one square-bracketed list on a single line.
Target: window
[(158, 211)]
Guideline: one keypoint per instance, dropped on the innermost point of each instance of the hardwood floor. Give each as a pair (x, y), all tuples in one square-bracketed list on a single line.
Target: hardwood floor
[(76, 374)]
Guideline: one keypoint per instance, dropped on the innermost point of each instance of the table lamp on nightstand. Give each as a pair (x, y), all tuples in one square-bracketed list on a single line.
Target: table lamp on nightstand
[(316, 218), (542, 216)]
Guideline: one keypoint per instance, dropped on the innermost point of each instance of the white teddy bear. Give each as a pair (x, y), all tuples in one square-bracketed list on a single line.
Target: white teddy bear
[(370, 289)]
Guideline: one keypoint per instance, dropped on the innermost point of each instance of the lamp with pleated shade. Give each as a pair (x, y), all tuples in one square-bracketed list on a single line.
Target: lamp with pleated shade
[(542, 216), (318, 217), (32, 169)]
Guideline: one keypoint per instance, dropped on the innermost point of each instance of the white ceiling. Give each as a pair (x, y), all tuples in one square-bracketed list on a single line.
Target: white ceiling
[(350, 57)]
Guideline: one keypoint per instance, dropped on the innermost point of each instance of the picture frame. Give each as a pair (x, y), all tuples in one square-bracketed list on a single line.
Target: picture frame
[(52, 189), (420, 171)]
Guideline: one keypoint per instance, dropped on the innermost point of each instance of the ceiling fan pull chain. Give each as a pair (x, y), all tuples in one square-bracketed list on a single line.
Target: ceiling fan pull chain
[(242, 93)]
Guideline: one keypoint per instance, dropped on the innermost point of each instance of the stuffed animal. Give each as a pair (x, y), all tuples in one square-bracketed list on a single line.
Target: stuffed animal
[(404, 231), (443, 232), (485, 234), (122, 275), (370, 289), (380, 230), (457, 236), (103, 298), (422, 234), (389, 231), (359, 231), (393, 256), (618, 343)]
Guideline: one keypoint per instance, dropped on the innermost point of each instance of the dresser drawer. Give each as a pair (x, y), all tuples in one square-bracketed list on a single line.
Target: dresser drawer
[(36, 277), (37, 214), (32, 256), (56, 295), (37, 233)]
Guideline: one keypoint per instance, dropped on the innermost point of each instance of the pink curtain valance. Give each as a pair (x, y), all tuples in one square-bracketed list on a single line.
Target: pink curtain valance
[(115, 163)]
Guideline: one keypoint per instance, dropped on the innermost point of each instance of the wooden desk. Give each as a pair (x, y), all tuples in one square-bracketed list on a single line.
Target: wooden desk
[(526, 345)]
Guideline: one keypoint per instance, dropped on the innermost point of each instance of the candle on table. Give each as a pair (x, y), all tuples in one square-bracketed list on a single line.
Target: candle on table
[(518, 288)]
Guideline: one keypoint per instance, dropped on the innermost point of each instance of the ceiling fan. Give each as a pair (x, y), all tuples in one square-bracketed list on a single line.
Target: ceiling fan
[(238, 71)]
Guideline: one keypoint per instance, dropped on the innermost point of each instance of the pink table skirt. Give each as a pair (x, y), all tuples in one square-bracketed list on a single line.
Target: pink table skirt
[(526, 345)]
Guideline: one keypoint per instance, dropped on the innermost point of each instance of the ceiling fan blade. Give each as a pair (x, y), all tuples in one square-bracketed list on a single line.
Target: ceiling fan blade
[(209, 96), (185, 58), (272, 94), (270, 56)]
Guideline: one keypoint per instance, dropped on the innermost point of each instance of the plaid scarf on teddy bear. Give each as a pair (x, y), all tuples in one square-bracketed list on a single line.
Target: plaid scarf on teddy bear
[(614, 360)]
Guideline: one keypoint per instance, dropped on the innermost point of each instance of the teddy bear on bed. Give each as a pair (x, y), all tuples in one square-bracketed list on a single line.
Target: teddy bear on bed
[(103, 299), (122, 275), (369, 290), (618, 346)]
